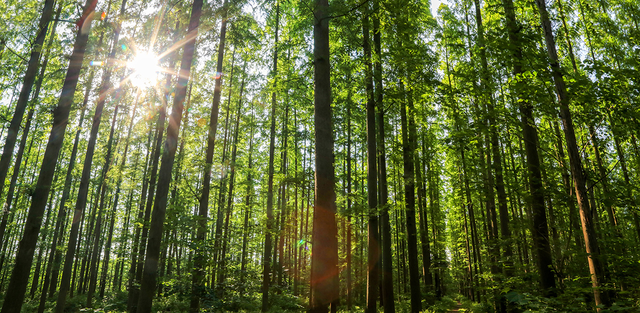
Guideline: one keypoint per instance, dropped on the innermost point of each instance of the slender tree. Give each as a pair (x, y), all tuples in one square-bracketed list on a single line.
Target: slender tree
[(203, 207), (267, 270), (373, 238), (25, 91), (150, 271), (324, 254), (596, 264), (24, 258), (540, 232)]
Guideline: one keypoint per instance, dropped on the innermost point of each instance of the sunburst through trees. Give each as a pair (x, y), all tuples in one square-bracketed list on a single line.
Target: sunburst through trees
[(314, 155)]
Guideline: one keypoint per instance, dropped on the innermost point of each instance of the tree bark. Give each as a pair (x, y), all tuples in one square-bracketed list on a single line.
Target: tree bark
[(540, 231), (25, 92), (248, 205), (17, 285), (55, 255), (98, 228), (203, 207), (134, 280), (373, 237), (387, 264), (222, 269), (266, 262), (596, 263), (150, 270), (409, 194), (324, 260)]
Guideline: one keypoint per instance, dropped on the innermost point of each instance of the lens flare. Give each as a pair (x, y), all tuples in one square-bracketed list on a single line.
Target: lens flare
[(145, 69)]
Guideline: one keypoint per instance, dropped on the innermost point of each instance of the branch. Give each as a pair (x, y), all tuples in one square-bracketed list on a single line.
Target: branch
[(351, 10), (15, 53), (604, 176), (61, 20)]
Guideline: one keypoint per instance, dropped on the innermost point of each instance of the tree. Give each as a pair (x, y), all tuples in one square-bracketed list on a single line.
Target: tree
[(25, 92), (324, 263), (24, 257), (540, 231), (596, 264), (267, 270), (198, 270), (150, 271)]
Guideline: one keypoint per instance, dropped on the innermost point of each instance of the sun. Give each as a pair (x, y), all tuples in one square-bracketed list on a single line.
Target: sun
[(145, 69)]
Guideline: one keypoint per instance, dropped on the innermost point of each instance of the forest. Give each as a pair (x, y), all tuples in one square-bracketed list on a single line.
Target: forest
[(319, 156)]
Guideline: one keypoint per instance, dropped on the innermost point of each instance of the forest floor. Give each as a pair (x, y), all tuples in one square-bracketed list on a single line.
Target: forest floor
[(457, 308)]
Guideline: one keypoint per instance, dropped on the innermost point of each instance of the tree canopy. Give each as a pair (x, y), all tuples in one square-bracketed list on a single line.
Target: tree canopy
[(343, 155)]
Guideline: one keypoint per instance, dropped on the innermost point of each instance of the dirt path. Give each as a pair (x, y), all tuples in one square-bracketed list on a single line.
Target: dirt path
[(457, 308)]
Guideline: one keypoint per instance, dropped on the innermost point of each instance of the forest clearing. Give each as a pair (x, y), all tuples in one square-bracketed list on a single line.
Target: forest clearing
[(319, 156)]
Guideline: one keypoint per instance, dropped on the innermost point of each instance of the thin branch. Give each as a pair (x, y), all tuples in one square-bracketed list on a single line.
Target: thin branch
[(15, 53), (350, 10), (603, 177), (62, 20)]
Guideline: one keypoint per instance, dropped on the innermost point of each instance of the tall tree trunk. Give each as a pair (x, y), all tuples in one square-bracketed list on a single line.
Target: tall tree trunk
[(422, 215), (19, 277), (540, 231), (117, 196), (266, 262), (25, 91), (283, 198), (138, 247), (93, 280), (55, 255), (25, 132), (83, 190), (373, 237), (387, 264), (134, 293), (349, 264), (203, 207), (409, 193), (150, 271), (324, 260), (248, 205), (66, 193), (224, 177), (486, 96), (596, 263), (41, 248), (222, 268)]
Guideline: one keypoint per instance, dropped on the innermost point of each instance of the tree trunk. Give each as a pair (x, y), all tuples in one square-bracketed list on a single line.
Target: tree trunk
[(266, 262), (203, 208), (224, 177), (19, 277), (41, 248), (540, 232), (373, 237), (150, 271), (93, 280), (55, 255), (324, 260), (596, 263), (349, 264), (409, 193), (25, 92), (66, 193), (222, 268), (248, 206), (136, 254), (387, 264)]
